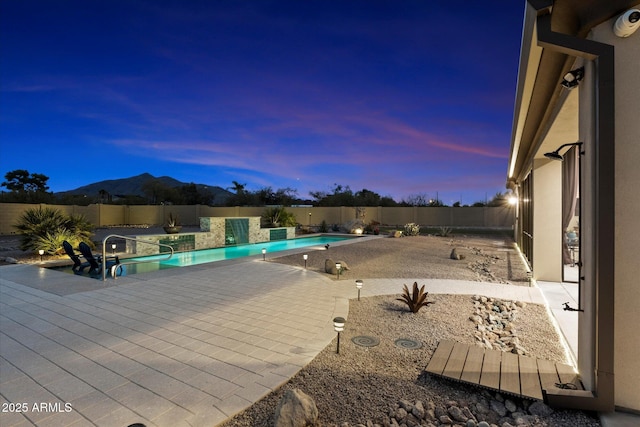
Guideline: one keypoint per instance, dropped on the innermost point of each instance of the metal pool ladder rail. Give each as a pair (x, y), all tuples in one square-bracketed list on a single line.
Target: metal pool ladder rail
[(120, 265)]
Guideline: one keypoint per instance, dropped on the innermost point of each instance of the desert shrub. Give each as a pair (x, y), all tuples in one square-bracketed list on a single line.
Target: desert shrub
[(279, 217), (445, 231), (324, 228), (416, 300), (411, 229), (372, 228), (47, 228)]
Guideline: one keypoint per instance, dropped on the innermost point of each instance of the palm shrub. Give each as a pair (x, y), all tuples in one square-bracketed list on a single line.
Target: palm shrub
[(46, 228), (416, 300), (279, 216)]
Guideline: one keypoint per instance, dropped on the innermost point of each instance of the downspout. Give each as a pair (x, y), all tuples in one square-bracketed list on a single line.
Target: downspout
[(602, 398)]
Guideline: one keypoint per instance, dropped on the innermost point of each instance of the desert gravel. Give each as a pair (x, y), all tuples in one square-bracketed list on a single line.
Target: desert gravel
[(362, 384)]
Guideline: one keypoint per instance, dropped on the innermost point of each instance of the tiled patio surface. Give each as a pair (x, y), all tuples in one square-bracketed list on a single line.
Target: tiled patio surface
[(181, 347)]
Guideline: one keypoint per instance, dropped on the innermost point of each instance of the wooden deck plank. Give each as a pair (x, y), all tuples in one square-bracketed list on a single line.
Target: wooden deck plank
[(473, 365), (529, 378), (568, 375), (490, 376), (456, 361), (440, 357), (548, 374), (510, 374), (522, 376)]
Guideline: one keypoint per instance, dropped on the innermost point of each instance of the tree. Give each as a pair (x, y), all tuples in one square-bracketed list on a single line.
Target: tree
[(241, 197), (416, 200), (27, 187), (340, 196)]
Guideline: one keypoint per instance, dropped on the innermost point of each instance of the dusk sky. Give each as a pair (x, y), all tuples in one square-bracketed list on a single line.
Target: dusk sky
[(398, 97)]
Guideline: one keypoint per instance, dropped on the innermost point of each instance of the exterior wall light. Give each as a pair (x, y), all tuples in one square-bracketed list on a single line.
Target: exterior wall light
[(359, 284), (572, 78), (512, 200), (338, 326), (555, 155)]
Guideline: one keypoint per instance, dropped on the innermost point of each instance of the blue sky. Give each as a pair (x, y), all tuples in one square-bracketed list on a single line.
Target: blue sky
[(398, 97)]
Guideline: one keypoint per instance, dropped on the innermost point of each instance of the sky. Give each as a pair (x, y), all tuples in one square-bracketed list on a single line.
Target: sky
[(399, 97)]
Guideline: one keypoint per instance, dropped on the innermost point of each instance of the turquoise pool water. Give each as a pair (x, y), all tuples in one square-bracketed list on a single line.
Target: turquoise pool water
[(183, 259)]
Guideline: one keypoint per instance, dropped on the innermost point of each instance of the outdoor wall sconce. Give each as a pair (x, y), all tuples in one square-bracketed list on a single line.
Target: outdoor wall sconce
[(359, 284), (572, 78), (305, 257), (264, 252), (555, 155), (338, 326), (41, 253), (338, 268), (113, 248)]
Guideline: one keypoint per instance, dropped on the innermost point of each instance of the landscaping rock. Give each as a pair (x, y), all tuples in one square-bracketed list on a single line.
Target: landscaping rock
[(455, 255), (296, 409), (330, 266), (540, 409)]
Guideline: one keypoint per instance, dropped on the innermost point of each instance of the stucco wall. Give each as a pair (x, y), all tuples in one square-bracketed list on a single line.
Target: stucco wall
[(547, 220), (627, 207)]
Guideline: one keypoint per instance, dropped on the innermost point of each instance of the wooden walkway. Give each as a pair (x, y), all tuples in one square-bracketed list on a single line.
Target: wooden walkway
[(510, 373)]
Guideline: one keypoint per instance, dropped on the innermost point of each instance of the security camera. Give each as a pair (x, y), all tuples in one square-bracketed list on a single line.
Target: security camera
[(627, 23)]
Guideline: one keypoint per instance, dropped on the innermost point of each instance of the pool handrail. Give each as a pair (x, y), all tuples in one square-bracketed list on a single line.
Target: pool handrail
[(121, 264)]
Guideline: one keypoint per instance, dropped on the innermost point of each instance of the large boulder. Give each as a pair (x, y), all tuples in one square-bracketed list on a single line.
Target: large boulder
[(353, 226), (296, 409), (330, 266)]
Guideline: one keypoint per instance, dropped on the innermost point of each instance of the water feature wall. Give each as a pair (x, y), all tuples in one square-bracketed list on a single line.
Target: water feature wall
[(214, 232)]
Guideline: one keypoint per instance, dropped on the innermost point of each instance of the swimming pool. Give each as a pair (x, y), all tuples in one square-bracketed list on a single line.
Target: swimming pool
[(183, 259)]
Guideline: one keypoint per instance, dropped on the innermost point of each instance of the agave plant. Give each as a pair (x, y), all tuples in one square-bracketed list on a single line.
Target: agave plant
[(415, 300)]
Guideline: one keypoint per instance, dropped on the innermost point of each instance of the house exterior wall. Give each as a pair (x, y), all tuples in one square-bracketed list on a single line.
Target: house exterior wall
[(547, 220), (627, 206)]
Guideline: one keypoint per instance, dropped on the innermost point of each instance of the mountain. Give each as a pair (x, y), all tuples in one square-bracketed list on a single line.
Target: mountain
[(134, 186)]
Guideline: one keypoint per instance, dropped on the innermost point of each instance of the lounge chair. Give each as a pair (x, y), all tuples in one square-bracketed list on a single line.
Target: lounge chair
[(95, 261), (78, 265)]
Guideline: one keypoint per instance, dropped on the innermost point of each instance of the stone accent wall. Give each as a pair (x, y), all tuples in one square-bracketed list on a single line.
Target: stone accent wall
[(212, 235)]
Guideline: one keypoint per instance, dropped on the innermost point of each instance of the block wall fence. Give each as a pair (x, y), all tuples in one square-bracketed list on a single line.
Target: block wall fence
[(115, 215)]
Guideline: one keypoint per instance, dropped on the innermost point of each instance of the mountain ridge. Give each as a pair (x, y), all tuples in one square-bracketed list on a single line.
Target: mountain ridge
[(134, 186)]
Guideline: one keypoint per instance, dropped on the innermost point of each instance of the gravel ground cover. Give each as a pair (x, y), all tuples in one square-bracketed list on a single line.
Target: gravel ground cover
[(371, 385)]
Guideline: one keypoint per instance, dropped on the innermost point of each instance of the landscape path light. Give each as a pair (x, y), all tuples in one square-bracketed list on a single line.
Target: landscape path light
[(113, 248), (305, 257), (359, 284), (338, 326), (41, 253), (338, 268), (264, 252)]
